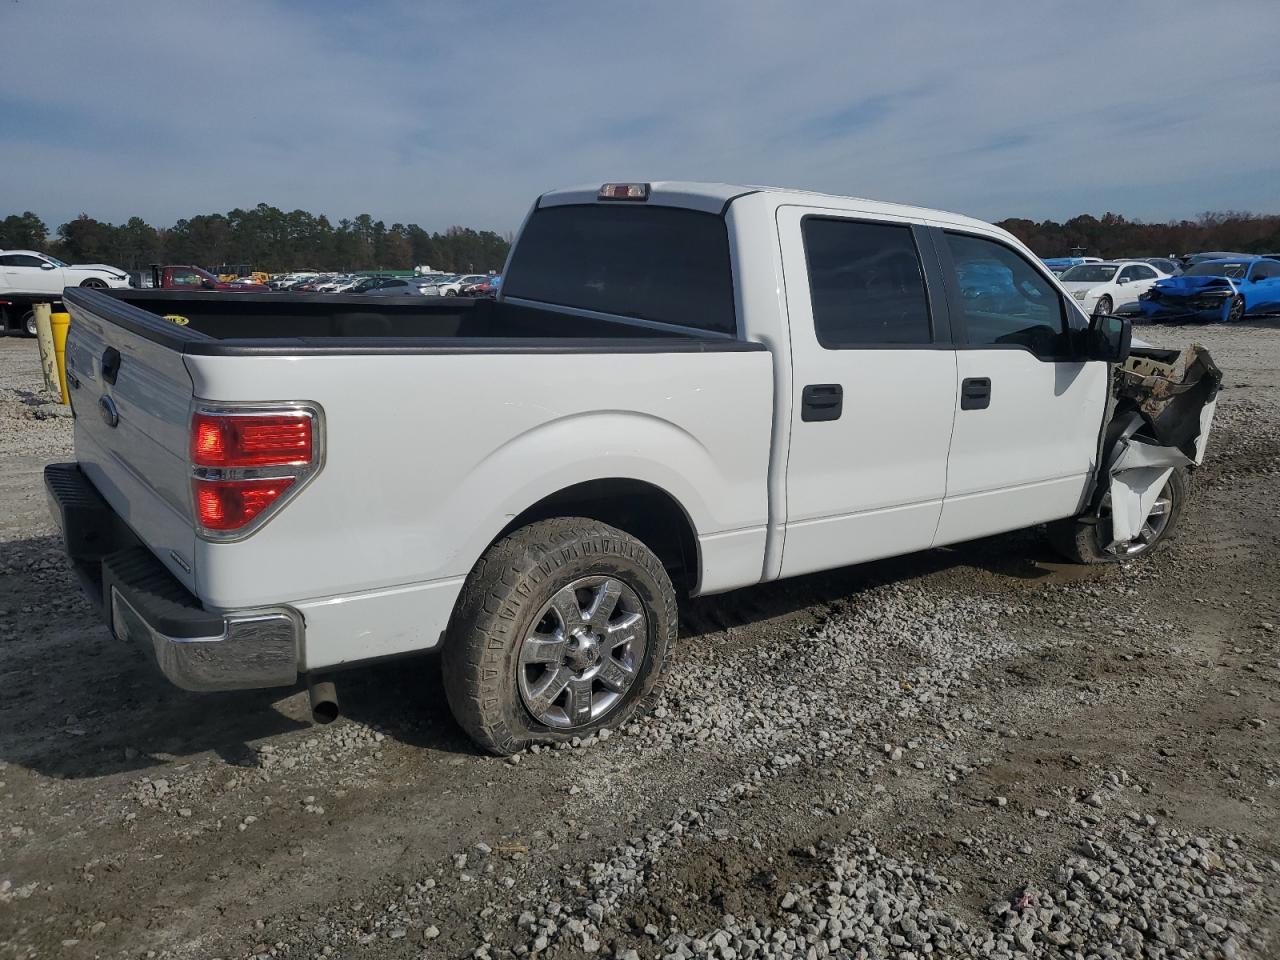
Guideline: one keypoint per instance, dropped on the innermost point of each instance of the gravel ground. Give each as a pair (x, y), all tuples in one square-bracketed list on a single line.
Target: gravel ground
[(970, 752)]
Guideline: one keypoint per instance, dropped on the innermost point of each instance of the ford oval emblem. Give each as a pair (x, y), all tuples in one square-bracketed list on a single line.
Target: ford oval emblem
[(107, 407)]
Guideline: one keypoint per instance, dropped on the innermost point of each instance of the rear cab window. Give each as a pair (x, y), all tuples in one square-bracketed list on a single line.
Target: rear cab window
[(654, 263)]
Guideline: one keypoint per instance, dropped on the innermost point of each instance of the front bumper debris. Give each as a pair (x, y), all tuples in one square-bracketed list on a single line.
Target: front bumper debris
[(195, 648), (1165, 403)]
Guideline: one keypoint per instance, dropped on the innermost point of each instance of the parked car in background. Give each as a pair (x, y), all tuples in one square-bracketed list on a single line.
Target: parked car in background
[(487, 288), (365, 284), (188, 277), (1216, 291), (1169, 266), (1059, 265), (1101, 288), (404, 287), (30, 272), (1191, 259)]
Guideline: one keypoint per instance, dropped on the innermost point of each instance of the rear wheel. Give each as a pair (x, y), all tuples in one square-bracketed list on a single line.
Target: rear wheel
[(562, 628), (93, 283), (1088, 539), (29, 323)]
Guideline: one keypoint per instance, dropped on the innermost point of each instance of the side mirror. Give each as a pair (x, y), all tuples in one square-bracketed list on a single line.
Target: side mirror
[(1122, 280), (1108, 338), (46, 266)]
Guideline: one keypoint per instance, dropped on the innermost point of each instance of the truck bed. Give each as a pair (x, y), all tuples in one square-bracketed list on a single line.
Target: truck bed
[(218, 323)]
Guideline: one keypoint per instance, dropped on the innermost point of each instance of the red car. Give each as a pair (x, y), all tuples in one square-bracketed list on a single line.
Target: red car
[(488, 288), (186, 277)]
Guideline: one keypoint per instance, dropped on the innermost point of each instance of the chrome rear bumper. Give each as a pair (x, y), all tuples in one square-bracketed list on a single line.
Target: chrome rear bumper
[(195, 648)]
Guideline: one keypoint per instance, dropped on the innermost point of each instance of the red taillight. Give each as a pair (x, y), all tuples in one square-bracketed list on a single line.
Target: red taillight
[(248, 461), (250, 441), (231, 504)]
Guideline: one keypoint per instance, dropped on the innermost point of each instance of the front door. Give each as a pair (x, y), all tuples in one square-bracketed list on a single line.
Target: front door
[(874, 380), (1026, 431)]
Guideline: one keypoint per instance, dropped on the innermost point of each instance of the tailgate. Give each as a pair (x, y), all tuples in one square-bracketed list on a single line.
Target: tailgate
[(131, 395)]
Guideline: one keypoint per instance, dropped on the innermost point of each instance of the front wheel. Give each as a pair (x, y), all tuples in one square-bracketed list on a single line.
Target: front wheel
[(561, 629), (1103, 307), (1089, 539), (29, 323), (1235, 312), (93, 283)]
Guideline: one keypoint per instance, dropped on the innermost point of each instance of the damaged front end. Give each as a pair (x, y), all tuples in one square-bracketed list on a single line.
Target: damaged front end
[(1159, 417)]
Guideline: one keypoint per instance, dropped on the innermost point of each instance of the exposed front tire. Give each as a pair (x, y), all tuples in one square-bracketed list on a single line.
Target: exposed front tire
[(561, 629), (93, 283), (1088, 539), (1235, 312)]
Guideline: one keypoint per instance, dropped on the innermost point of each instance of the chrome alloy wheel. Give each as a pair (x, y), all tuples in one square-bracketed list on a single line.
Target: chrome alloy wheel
[(583, 652), (1152, 527)]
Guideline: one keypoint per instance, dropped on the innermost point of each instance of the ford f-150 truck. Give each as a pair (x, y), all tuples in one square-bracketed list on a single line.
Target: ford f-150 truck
[(682, 389)]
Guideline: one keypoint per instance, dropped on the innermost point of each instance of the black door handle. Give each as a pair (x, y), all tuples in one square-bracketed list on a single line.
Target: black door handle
[(975, 393), (821, 401), (110, 364)]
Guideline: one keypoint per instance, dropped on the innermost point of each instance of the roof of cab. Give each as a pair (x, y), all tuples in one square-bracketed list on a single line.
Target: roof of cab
[(716, 197)]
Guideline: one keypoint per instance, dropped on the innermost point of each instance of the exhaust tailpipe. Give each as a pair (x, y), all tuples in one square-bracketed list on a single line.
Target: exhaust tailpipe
[(324, 700)]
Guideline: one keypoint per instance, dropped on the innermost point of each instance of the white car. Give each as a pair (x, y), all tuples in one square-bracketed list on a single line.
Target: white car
[(1109, 285), (783, 383), (30, 272)]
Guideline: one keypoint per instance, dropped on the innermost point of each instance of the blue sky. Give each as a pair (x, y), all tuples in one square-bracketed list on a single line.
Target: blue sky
[(462, 113)]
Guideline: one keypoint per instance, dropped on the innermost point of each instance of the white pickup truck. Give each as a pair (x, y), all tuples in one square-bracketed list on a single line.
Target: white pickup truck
[(683, 389)]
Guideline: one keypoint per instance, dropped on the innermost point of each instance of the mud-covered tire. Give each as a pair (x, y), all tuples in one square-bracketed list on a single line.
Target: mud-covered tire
[(509, 586), (1085, 539)]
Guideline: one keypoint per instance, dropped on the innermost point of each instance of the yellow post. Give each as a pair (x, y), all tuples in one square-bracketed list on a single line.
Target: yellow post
[(48, 356), (61, 323)]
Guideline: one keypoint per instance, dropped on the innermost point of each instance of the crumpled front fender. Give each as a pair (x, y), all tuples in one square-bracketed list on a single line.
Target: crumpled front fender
[(1165, 403)]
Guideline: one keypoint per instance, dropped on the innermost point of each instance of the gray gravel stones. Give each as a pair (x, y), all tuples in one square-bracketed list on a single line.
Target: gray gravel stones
[(1154, 894)]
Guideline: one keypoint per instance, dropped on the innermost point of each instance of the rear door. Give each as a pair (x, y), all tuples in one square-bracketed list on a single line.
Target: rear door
[(1030, 412), (875, 388), (131, 395), (1138, 279)]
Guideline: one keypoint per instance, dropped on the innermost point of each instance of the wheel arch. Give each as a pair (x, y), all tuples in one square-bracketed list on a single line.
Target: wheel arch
[(645, 510)]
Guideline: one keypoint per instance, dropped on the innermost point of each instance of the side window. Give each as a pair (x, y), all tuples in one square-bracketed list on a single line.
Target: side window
[(1145, 273), (20, 260), (1130, 273), (1004, 300), (1262, 270), (866, 284)]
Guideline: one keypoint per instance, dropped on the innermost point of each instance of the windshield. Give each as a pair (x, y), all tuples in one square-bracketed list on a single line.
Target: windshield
[(1089, 273), (1235, 271)]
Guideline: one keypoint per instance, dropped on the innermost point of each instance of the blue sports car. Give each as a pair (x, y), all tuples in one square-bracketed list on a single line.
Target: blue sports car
[(1216, 291)]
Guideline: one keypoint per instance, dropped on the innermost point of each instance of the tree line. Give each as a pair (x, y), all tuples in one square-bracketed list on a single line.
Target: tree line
[(1114, 236), (267, 238), (263, 238)]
